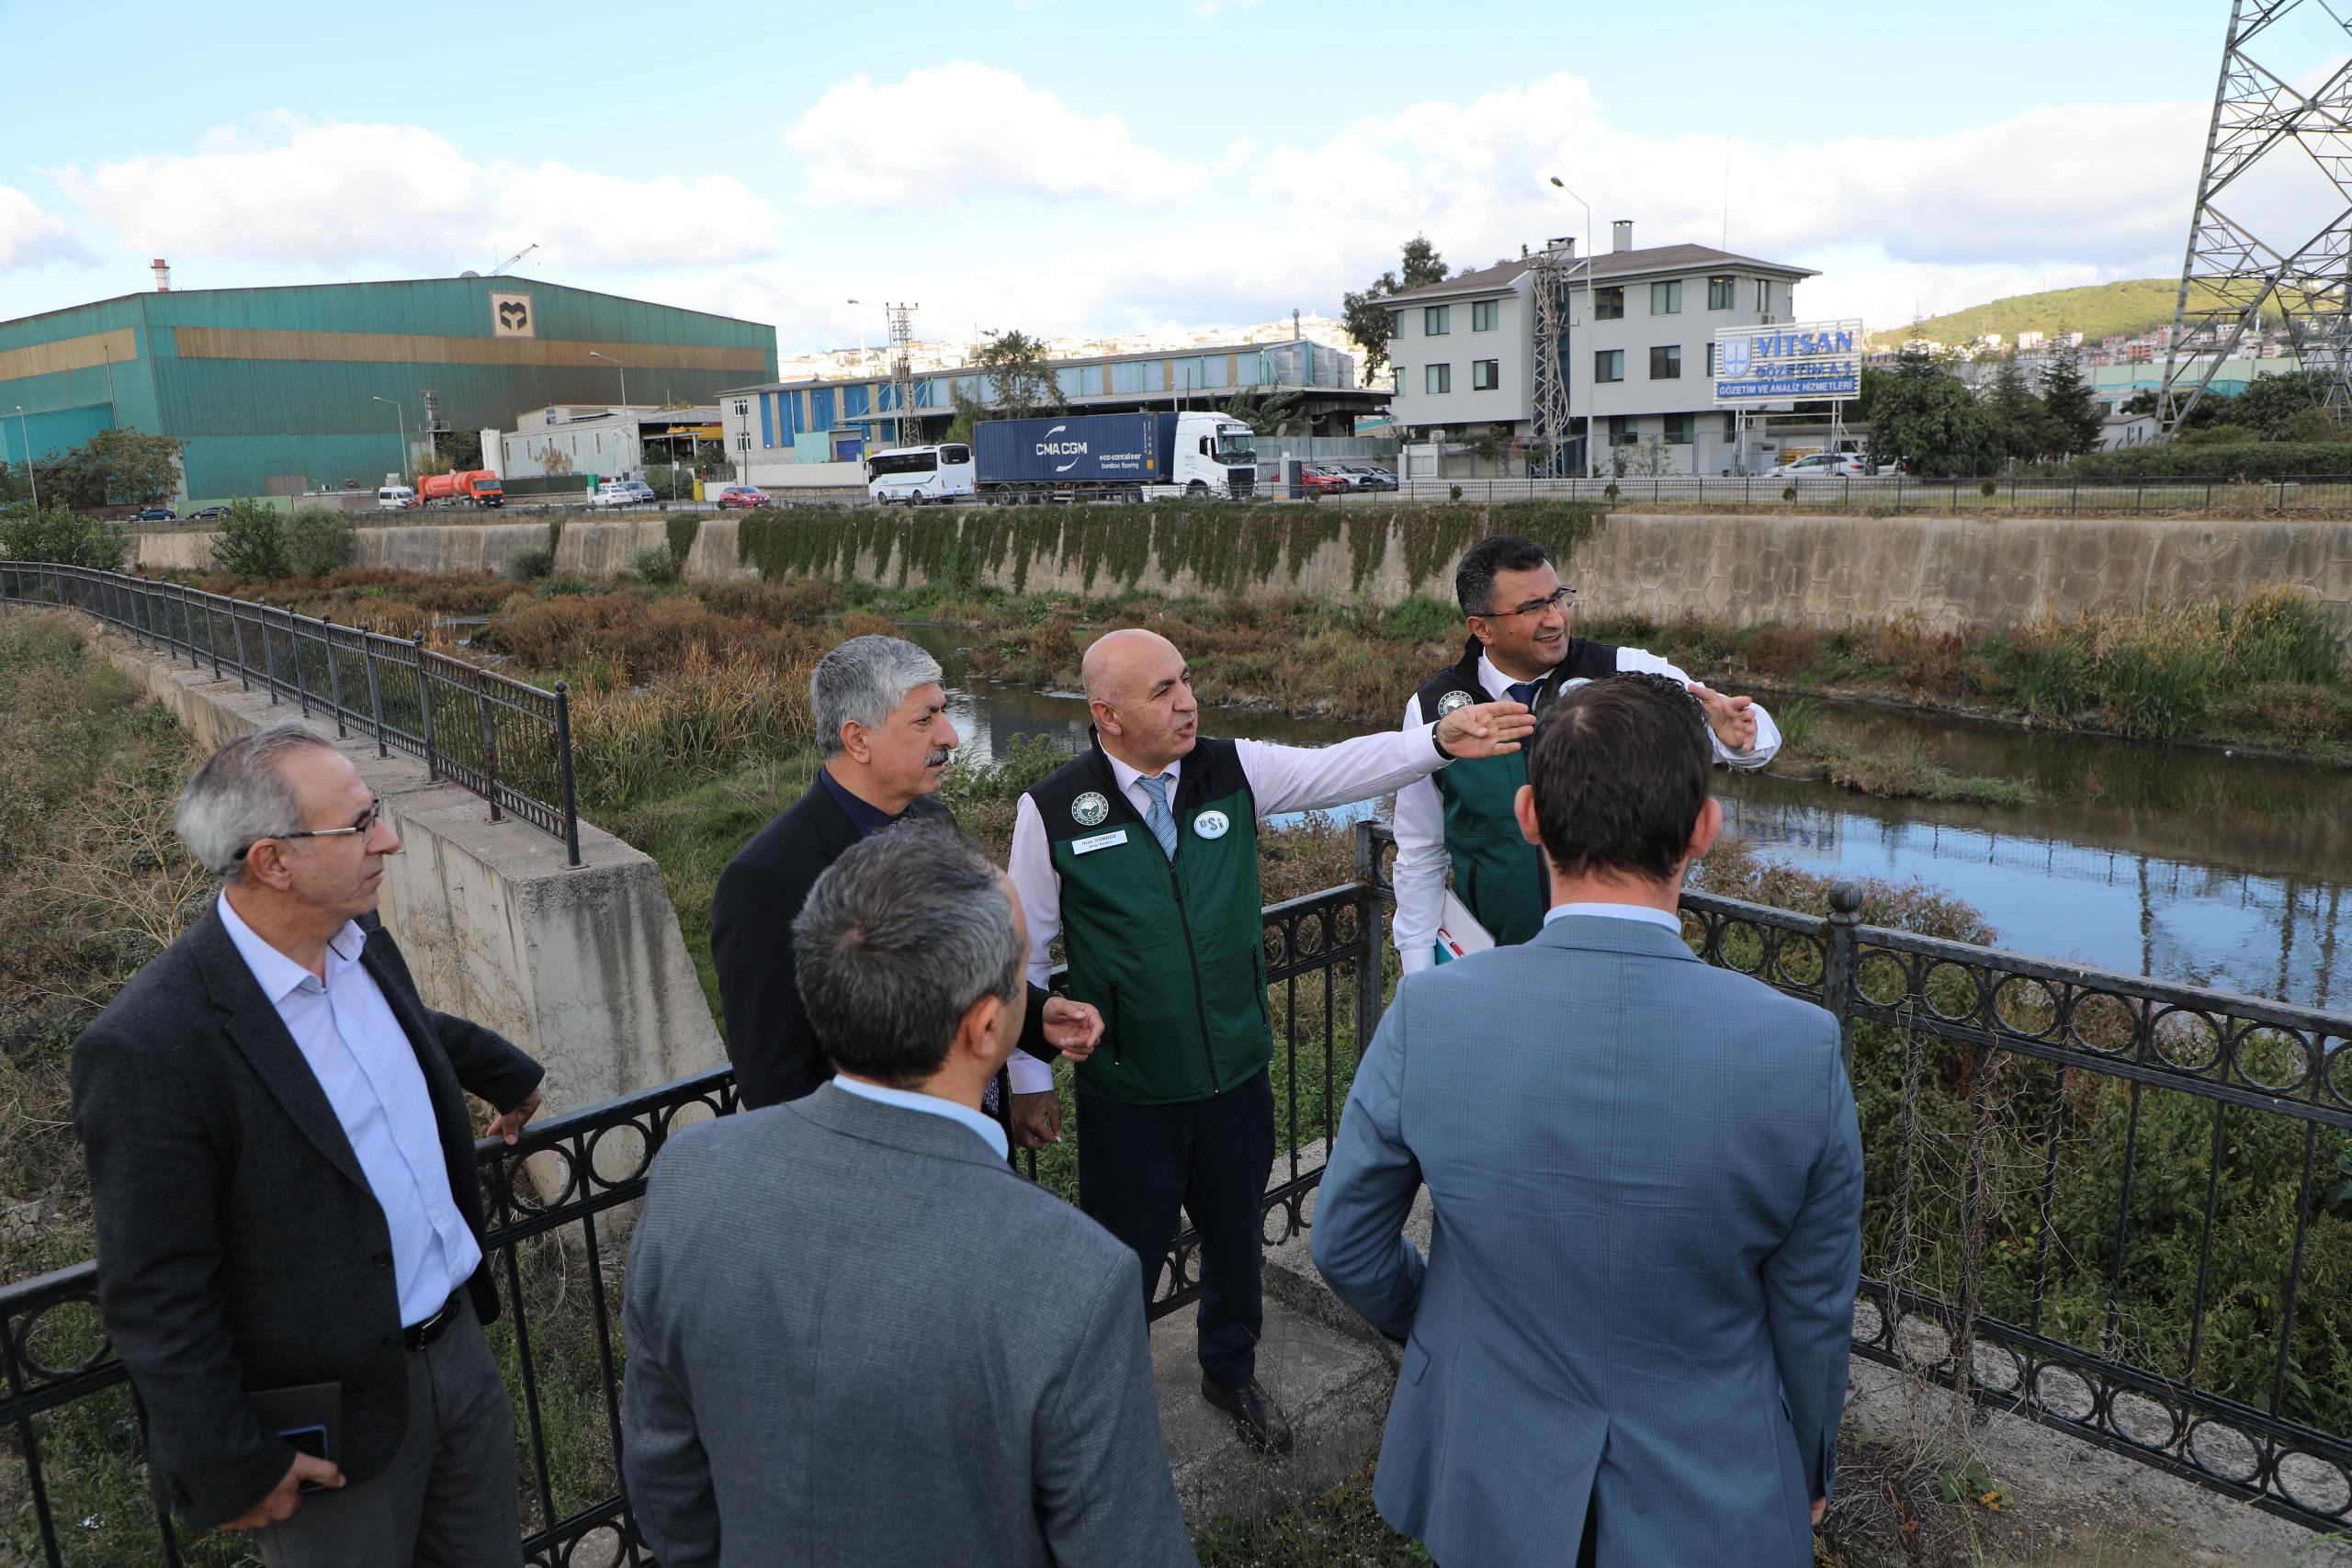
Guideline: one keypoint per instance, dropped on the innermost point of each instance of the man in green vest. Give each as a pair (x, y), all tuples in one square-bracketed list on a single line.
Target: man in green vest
[(1142, 856), (1461, 821)]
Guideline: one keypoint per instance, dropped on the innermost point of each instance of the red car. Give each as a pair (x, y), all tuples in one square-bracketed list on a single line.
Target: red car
[(743, 496), (1315, 482)]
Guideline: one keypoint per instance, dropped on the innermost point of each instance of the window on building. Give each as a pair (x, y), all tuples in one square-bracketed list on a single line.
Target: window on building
[(1764, 295), (1665, 364), (1434, 320), (1677, 430), (1396, 323), (1395, 378), (1609, 365), (1731, 430), (1485, 375), (1624, 430), (1608, 305), (1711, 359), (1666, 299), (1437, 378), (1484, 313), (1719, 292)]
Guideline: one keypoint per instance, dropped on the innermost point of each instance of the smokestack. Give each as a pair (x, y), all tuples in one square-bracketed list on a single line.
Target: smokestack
[(1621, 234), (1566, 245), (163, 275)]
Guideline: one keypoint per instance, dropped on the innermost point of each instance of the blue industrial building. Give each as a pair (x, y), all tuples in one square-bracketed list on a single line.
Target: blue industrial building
[(277, 391)]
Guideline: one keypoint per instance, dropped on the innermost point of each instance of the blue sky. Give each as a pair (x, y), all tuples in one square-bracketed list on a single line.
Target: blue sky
[(1061, 167)]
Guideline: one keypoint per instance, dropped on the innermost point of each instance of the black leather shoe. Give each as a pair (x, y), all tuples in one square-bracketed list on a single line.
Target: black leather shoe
[(1253, 1410)]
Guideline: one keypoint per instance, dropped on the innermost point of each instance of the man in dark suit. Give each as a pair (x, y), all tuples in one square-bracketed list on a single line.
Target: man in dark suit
[(282, 1165), (883, 728), (863, 1376)]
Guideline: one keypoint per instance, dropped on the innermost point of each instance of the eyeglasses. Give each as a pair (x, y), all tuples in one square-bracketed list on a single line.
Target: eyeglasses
[(365, 825), (1560, 599)]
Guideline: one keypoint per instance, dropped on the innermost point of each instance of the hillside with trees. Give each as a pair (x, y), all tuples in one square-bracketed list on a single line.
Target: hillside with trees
[(2138, 305)]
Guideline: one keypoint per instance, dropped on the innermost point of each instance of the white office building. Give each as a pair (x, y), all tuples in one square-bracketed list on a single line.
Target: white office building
[(1640, 373)]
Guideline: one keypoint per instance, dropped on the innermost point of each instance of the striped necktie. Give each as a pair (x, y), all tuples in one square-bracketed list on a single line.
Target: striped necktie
[(1161, 823)]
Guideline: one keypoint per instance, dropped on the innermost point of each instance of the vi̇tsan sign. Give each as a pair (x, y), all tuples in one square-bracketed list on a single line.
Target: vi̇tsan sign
[(1803, 360)]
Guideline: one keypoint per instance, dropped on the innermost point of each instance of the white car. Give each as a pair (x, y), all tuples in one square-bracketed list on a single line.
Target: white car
[(1821, 466), (614, 492)]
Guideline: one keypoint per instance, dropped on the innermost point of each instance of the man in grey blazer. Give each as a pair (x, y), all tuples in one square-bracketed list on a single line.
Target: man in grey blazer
[(1628, 1345), (835, 1350)]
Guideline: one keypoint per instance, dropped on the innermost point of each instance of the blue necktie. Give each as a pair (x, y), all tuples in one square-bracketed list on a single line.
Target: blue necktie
[(1162, 825), (1524, 692)]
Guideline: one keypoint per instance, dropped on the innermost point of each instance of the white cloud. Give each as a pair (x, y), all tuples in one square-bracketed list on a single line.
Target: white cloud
[(334, 195), (29, 236), (952, 133)]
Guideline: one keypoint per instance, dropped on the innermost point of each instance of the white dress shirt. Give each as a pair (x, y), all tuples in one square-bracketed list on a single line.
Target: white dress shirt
[(1419, 871), (1617, 912), (1282, 779), (932, 1105), (366, 1063)]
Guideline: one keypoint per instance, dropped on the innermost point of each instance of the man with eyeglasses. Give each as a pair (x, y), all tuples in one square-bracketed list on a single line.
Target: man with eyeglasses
[(1520, 649), (291, 1257)]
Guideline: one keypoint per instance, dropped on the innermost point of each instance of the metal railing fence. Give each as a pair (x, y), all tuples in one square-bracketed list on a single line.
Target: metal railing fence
[(2089, 1074), (500, 738), (1894, 494)]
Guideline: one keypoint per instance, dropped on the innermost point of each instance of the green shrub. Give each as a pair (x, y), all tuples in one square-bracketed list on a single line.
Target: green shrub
[(566, 585), (2259, 461), (1988, 489), (318, 541), (57, 534), (1421, 618), (251, 545), (1453, 492), (529, 565), (682, 527), (653, 564)]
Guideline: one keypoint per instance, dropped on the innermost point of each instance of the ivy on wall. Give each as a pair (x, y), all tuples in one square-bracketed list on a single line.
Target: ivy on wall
[(1224, 550), (682, 527)]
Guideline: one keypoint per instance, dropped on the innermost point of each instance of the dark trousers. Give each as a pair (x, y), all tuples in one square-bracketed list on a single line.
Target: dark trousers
[(447, 1500), (1137, 1163)]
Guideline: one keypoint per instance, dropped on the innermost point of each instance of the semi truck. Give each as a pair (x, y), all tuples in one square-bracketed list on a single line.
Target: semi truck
[(467, 487), (1064, 458)]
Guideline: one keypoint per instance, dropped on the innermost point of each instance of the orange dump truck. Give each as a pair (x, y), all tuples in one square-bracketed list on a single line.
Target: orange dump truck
[(469, 487)]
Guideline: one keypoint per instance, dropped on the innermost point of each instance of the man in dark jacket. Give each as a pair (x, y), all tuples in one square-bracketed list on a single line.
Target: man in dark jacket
[(282, 1165), (883, 728)]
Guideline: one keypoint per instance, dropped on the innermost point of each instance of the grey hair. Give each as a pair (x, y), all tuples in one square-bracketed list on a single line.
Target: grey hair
[(239, 794), (863, 682), (898, 938)]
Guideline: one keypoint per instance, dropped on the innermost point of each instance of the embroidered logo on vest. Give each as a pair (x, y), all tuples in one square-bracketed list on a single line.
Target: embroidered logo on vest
[(1089, 809), (1452, 700), (1211, 824)]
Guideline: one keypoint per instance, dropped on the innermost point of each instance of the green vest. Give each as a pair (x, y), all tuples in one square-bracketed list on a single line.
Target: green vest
[(1171, 953), (1497, 875)]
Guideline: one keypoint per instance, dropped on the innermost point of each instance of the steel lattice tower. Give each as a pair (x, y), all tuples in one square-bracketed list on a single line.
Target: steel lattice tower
[(902, 372), (2263, 125), (1550, 433)]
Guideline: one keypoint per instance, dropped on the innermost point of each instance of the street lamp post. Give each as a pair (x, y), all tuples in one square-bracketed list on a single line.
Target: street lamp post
[(617, 366), (1592, 463), (401, 414), (24, 427)]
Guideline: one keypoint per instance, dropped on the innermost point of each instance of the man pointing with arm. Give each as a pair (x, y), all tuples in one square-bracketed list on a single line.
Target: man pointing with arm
[(1142, 855)]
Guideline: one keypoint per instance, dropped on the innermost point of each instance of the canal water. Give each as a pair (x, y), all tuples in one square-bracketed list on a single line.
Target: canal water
[(2184, 862)]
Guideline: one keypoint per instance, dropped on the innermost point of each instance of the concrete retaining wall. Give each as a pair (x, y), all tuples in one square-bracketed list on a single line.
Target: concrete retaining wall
[(583, 967), (1819, 571)]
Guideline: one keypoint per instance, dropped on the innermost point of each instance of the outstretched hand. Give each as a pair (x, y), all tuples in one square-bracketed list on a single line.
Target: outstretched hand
[(1731, 718), (1485, 729)]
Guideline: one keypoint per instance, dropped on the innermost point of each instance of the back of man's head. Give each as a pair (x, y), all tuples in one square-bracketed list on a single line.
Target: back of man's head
[(1618, 771), (899, 938), (1473, 580)]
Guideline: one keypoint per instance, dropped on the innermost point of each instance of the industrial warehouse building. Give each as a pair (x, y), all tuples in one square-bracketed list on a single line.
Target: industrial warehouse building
[(806, 433), (279, 391)]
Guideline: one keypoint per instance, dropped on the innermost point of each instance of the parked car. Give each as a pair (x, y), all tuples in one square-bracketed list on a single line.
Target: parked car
[(154, 515), (202, 513), (614, 492), (1821, 466), (396, 498), (1322, 481), (1369, 477), (641, 492), (743, 496)]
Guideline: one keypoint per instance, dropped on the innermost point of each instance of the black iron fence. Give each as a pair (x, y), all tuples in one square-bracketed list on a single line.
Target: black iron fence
[(1893, 493), (2120, 1207), (504, 740)]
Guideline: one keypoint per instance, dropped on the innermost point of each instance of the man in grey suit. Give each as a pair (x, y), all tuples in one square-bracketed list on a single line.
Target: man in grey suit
[(836, 1350), (1628, 1344)]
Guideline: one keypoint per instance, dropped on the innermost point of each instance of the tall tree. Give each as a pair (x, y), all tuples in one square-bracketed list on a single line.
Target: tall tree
[(1925, 416), (1367, 318), (2021, 427), (114, 468), (1017, 380), (2074, 420), (1266, 413)]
